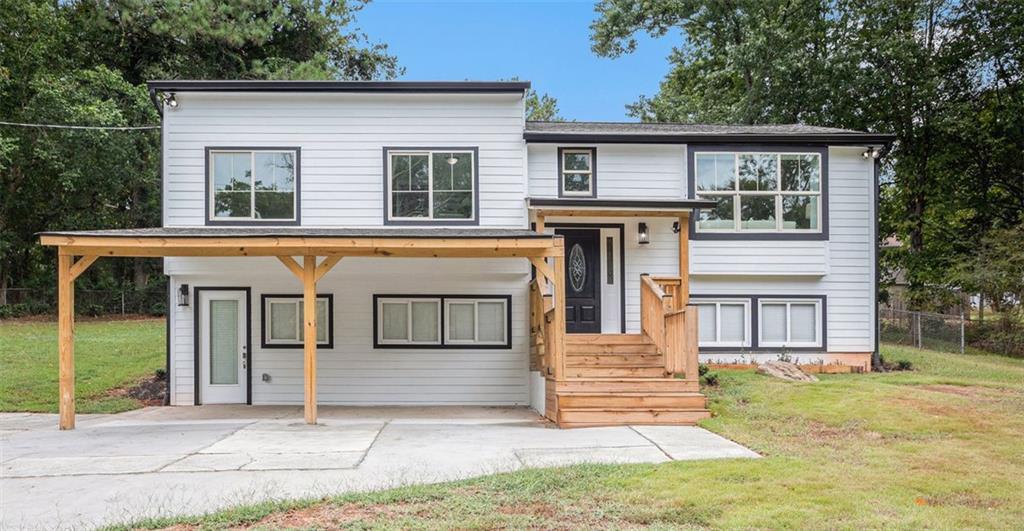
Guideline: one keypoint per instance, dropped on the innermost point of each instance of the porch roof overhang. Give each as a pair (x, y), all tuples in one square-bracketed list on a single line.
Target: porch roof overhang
[(296, 241), (615, 207)]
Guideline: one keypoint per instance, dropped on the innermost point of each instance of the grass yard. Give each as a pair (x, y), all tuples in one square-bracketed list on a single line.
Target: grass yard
[(108, 355), (938, 447)]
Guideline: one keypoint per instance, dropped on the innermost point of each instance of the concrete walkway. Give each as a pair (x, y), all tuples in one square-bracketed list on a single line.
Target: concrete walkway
[(192, 460)]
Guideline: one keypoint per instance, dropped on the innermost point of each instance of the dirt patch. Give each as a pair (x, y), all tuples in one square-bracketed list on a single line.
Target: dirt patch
[(959, 499), (330, 516), (150, 391), (961, 390)]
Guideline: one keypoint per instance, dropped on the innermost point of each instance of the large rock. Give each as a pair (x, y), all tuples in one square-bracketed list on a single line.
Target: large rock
[(786, 371)]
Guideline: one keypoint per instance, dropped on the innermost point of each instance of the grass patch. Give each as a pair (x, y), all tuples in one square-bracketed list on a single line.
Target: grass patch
[(108, 355), (937, 447)]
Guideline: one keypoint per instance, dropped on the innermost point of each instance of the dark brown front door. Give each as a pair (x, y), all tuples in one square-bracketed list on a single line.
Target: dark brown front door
[(582, 280)]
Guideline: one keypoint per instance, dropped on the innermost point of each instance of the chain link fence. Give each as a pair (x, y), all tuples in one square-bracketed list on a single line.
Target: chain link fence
[(927, 330), (151, 300)]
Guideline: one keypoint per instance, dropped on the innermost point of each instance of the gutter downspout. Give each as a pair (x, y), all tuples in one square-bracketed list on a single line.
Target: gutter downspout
[(156, 103)]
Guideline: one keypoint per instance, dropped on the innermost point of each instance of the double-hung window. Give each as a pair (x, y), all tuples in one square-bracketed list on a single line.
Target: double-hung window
[(723, 322), (256, 185), (789, 323), (425, 185), (576, 172), (760, 192), (284, 321), (442, 321)]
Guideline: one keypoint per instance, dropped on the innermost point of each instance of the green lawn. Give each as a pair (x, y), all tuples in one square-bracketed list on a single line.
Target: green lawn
[(108, 355), (938, 447)]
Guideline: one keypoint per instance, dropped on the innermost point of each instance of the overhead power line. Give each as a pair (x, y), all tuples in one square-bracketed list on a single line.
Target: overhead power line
[(92, 127)]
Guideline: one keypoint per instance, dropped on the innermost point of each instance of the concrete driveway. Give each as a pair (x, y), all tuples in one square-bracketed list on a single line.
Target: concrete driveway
[(191, 460)]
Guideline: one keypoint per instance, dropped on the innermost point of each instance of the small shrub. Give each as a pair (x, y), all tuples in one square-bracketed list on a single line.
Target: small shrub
[(702, 369), (710, 379), (904, 365), (161, 373)]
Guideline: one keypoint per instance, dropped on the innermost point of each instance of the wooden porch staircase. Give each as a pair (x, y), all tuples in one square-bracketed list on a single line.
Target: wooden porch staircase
[(617, 379)]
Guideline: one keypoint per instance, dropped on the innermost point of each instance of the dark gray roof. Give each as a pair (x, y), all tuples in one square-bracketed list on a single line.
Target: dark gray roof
[(679, 132), (246, 85), (304, 232), (639, 204)]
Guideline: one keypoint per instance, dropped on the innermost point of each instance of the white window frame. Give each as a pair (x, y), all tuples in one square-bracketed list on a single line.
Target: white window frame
[(818, 332), (590, 171), (430, 184), (212, 186), (296, 300), (448, 302), (381, 301), (778, 193), (747, 318)]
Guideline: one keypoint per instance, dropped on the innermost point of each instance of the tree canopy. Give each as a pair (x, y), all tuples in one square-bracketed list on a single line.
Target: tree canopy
[(944, 76), (85, 62)]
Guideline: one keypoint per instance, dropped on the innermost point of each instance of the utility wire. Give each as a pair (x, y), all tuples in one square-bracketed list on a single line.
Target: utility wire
[(93, 127)]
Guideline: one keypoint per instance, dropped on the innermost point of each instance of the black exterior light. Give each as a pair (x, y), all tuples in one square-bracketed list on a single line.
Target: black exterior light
[(676, 227), (172, 102), (183, 295), (643, 237), (872, 152)]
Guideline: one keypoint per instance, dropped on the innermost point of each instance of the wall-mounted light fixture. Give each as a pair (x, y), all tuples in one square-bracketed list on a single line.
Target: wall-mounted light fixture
[(676, 227), (872, 152), (171, 101), (183, 295), (643, 235)]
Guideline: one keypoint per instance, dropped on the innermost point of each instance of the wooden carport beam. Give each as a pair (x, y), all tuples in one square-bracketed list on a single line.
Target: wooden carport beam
[(67, 271)]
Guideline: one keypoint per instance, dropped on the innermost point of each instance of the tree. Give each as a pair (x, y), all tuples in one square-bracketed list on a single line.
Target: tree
[(541, 107), (944, 76), (86, 62)]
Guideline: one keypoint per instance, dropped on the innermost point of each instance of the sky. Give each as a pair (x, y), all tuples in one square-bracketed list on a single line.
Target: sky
[(546, 42)]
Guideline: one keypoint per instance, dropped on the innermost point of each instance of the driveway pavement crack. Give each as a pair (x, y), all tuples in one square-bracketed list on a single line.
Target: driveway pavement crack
[(656, 445)]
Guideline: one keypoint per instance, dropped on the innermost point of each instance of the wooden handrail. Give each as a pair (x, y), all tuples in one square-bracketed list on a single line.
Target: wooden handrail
[(542, 317), (671, 324)]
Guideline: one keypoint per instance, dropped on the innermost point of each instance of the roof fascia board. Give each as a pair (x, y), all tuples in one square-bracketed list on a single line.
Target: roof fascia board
[(858, 139)]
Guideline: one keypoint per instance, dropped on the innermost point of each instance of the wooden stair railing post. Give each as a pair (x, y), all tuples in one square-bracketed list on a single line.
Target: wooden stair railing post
[(691, 353), (558, 339), (66, 340), (309, 338)]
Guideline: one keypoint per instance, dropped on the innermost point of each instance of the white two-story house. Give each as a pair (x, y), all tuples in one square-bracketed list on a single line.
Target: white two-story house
[(454, 253)]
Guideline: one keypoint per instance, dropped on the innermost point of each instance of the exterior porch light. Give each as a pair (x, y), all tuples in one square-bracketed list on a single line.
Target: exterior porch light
[(183, 296), (872, 152), (676, 227), (643, 237)]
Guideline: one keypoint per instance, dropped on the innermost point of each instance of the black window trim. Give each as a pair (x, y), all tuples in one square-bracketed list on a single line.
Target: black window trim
[(755, 339), (691, 186), (593, 171), (263, 321), (441, 345), (386, 177), (207, 189)]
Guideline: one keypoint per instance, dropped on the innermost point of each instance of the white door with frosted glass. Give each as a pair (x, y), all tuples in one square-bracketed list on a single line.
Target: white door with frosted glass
[(223, 346)]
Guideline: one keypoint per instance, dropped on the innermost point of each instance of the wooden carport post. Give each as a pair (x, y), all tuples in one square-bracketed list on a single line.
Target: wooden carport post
[(309, 273), (67, 271)]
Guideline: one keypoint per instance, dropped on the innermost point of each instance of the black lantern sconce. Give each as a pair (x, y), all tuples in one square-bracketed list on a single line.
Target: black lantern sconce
[(676, 227), (643, 236), (183, 296)]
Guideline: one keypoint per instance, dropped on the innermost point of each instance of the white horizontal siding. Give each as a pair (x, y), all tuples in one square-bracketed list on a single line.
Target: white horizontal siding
[(624, 171), (342, 137), (841, 268), (353, 372)]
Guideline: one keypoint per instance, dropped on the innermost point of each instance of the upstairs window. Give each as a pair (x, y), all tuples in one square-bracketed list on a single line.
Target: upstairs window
[(431, 185), (760, 192), (252, 185), (576, 172)]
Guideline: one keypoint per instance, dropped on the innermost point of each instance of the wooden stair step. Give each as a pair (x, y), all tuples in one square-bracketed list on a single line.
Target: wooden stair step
[(626, 385), (569, 417), (611, 348), (616, 360), (678, 400), (607, 339), (607, 372)]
